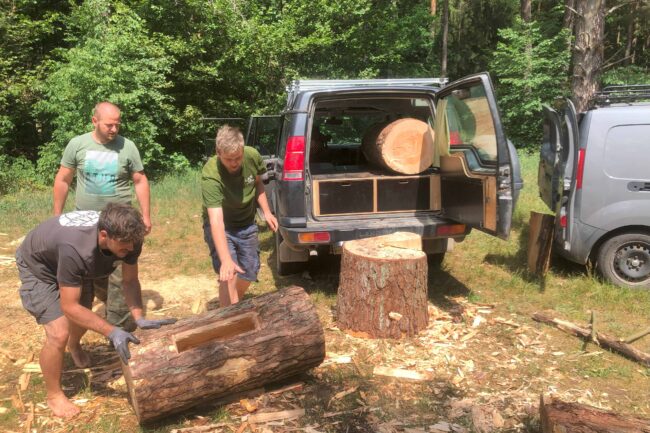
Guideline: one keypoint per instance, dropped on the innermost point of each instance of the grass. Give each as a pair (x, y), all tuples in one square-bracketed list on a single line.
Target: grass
[(480, 269)]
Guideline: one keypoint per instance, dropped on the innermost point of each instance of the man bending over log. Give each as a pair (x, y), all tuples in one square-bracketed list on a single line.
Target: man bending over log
[(231, 185), (57, 263)]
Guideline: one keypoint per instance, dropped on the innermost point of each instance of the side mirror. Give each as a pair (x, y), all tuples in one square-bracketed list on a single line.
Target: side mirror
[(267, 177)]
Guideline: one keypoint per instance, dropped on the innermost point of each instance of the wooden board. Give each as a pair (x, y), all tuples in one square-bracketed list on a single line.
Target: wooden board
[(540, 242)]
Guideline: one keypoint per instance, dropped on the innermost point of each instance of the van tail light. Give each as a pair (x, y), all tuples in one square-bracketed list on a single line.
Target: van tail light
[(313, 237), (454, 138), (563, 221), (450, 229), (581, 168), (294, 159)]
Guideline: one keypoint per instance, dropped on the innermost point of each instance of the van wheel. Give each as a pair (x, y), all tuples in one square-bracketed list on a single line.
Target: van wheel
[(435, 260), (624, 260), (285, 268)]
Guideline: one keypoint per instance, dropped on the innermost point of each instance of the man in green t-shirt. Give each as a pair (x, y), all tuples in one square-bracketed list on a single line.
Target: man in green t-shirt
[(105, 164), (231, 187)]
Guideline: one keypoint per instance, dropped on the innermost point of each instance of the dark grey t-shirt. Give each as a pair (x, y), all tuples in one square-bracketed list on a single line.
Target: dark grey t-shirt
[(64, 249)]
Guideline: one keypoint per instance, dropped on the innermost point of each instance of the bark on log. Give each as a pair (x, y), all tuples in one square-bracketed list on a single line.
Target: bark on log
[(383, 286), (540, 242), (603, 340), (558, 416), (208, 356), (404, 146)]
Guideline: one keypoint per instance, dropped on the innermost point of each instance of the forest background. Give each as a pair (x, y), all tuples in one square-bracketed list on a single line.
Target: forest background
[(173, 64)]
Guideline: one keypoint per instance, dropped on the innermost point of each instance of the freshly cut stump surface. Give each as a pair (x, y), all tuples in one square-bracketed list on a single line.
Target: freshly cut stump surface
[(383, 287)]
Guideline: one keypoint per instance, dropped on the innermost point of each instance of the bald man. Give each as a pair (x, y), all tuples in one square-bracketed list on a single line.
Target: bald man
[(105, 164)]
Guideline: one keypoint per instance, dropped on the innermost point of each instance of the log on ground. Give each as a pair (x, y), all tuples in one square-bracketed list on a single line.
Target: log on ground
[(404, 146), (558, 416), (383, 286), (209, 356)]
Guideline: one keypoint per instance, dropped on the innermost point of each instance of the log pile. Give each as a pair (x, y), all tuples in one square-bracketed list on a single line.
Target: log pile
[(234, 349)]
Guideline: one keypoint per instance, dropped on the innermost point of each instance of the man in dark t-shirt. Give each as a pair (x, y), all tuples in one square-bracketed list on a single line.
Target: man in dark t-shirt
[(57, 263)]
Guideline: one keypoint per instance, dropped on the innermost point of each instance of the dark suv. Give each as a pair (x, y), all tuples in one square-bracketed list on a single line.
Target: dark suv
[(324, 192), (594, 173)]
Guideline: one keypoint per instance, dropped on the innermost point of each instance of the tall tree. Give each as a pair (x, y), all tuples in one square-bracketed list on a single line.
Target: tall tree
[(445, 38), (587, 58)]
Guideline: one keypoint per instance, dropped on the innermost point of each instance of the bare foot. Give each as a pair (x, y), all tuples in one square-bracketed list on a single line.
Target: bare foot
[(80, 358), (62, 407)]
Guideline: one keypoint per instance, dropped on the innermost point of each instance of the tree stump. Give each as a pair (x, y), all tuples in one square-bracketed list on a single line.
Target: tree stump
[(404, 146), (238, 348), (383, 286), (558, 416)]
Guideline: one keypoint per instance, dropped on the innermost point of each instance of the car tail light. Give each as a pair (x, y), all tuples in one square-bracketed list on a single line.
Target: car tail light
[(563, 221), (313, 237), (454, 138), (581, 168), (450, 229), (294, 159)]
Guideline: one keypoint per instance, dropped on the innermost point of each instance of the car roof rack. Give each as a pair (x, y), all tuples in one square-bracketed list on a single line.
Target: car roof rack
[(623, 93), (297, 85)]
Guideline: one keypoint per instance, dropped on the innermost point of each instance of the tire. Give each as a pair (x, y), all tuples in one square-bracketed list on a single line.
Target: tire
[(624, 260), (435, 260), (285, 268)]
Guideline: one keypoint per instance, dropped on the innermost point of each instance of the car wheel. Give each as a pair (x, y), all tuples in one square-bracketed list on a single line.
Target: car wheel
[(435, 260), (624, 260), (285, 268)]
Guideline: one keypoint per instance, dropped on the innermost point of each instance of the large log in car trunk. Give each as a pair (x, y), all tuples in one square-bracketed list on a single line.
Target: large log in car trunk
[(404, 146), (383, 286), (208, 356)]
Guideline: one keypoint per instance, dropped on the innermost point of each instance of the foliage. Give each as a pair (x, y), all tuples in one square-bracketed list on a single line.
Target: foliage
[(113, 59), (626, 75), (16, 173), (531, 69)]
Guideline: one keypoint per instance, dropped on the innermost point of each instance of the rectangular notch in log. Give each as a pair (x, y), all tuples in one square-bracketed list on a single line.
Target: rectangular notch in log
[(226, 329)]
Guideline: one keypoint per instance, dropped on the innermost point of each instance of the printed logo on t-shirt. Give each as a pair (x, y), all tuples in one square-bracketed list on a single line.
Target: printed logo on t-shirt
[(101, 172), (250, 179), (79, 218)]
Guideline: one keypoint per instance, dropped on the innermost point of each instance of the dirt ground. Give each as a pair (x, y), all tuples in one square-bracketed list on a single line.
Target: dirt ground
[(477, 367)]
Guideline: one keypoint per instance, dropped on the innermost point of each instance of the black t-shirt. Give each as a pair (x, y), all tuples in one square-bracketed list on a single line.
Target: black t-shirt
[(64, 249)]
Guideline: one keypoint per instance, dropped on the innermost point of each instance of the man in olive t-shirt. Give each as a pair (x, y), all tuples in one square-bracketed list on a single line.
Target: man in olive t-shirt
[(232, 187), (105, 164)]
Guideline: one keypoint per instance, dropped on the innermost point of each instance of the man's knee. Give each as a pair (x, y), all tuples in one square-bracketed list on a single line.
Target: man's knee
[(57, 333)]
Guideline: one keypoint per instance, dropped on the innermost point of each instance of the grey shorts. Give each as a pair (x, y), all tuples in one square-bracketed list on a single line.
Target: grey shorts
[(244, 249), (42, 300)]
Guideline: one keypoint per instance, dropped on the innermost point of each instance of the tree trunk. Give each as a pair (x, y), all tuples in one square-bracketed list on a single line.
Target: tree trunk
[(208, 356), (631, 37), (525, 10), (588, 51), (569, 14), (404, 146), (558, 416), (445, 38), (383, 286)]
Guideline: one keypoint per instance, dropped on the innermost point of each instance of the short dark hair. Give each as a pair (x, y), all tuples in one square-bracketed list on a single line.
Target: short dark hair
[(122, 222)]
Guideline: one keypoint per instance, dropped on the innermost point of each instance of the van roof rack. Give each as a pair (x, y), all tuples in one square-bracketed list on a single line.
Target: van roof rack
[(329, 84), (623, 93)]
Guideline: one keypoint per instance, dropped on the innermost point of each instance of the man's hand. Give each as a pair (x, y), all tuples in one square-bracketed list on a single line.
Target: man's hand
[(271, 221), (147, 224), (154, 324), (228, 270), (120, 339)]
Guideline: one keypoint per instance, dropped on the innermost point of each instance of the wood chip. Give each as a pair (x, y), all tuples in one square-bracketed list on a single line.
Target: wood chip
[(340, 395), (401, 373), (292, 387), (246, 404), (274, 416), (394, 316), (200, 429), (23, 381)]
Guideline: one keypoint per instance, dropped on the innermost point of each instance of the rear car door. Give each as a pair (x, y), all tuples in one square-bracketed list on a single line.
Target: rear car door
[(476, 161), (263, 134)]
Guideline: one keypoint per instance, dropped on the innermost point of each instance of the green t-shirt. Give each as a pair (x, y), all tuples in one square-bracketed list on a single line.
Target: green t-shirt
[(235, 194), (104, 171)]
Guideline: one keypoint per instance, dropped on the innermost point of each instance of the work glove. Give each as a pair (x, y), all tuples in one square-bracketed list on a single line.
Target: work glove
[(120, 339), (154, 324)]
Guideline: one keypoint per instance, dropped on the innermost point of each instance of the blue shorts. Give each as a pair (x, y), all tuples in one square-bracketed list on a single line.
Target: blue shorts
[(244, 249)]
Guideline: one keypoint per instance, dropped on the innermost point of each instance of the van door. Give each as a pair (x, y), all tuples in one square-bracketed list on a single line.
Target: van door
[(475, 159), (264, 134)]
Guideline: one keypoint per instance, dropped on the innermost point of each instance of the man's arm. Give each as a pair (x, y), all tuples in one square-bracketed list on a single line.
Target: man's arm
[(141, 184), (132, 290), (228, 266), (62, 183), (264, 204)]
